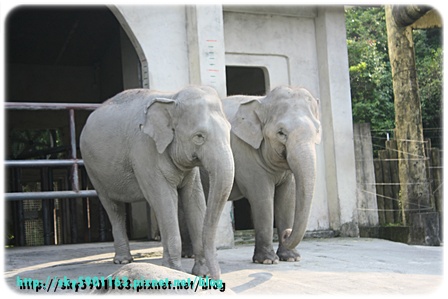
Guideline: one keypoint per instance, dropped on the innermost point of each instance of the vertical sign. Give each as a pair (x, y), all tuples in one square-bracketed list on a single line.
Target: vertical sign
[(212, 70)]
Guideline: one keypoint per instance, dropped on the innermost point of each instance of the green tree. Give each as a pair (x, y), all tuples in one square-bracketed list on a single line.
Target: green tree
[(429, 61), (370, 75), (371, 78)]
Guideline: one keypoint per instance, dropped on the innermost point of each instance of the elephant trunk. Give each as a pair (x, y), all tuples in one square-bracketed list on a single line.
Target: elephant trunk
[(302, 161), (220, 170)]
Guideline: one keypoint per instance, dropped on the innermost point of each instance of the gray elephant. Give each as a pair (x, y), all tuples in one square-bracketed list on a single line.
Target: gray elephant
[(146, 145), (273, 142)]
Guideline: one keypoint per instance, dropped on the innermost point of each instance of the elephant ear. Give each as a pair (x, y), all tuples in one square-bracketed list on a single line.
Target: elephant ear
[(158, 124), (246, 123)]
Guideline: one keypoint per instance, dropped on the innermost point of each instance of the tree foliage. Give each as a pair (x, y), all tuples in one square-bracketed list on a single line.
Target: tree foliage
[(370, 72), (429, 54)]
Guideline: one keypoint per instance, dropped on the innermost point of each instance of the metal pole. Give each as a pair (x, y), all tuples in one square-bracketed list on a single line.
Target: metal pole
[(42, 163), (85, 207), (103, 223), (14, 196), (46, 206), (50, 106), (75, 181), (19, 222)]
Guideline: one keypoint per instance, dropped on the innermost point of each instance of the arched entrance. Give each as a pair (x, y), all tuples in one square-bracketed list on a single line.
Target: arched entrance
[(59, 54)]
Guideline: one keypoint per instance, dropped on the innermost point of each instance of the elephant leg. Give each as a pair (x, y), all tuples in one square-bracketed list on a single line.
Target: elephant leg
[(163, 198), (187, 247), (284, 206), (165, 207), (117, 216), (261, 202), (193, 204)]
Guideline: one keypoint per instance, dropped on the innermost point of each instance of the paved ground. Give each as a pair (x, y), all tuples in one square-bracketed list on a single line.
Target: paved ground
[(328, 266)]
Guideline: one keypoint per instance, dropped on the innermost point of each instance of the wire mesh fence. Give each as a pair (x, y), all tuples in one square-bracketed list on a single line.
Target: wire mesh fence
[(385, 161)]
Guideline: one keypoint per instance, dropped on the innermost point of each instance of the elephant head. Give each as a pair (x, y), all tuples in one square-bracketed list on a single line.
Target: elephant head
[(192, 128), (285, 126)]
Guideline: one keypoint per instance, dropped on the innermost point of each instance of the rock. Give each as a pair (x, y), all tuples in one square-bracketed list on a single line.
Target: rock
[(146, 278)]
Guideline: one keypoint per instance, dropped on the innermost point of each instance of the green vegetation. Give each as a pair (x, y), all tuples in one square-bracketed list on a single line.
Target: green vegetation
[(35, 144), (371, 78)]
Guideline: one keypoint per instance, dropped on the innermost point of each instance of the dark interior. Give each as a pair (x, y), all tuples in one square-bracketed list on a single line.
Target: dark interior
[(244, 81), (61, 35)]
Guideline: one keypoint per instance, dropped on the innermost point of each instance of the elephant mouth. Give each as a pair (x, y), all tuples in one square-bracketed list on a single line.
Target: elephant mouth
[(281, 153), (195, 160)]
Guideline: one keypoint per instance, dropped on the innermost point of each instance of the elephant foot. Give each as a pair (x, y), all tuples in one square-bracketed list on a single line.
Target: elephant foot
[(288, 255), (200, 269), (187, 251), (267, 258), (173, 266), (123, 259)]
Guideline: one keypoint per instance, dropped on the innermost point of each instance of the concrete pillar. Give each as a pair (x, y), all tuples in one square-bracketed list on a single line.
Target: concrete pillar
[(337, 127), (365, 177), (205, 30), (206, 53)]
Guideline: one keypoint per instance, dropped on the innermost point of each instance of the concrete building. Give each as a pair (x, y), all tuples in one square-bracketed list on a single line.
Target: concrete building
[(235, 49)]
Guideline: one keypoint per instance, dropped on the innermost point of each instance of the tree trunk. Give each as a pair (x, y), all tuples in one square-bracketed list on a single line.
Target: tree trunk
[(415, 191), (405, 15)]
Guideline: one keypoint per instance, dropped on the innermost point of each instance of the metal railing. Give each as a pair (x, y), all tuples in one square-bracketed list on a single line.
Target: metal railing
[(74, 162)]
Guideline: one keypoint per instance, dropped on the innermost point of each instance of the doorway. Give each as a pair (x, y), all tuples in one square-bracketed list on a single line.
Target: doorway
[(244, 81), (58, 54)]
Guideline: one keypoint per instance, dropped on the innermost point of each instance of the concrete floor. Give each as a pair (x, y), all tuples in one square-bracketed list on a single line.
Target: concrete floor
[(328, 266)]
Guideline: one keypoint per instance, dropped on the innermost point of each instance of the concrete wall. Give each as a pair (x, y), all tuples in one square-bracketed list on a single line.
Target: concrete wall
[(160, 35), (285, 46), (337, 127), (303, 46)]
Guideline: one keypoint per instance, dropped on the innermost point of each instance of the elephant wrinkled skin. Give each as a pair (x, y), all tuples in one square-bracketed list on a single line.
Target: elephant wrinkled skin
[(273, 142), (146, 145)]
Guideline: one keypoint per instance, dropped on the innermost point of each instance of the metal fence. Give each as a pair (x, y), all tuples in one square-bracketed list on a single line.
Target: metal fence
[(50, 199), (73, 161)]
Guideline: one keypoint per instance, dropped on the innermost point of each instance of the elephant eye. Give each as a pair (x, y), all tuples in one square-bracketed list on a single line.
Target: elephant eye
[(199, 139), (281, 134)]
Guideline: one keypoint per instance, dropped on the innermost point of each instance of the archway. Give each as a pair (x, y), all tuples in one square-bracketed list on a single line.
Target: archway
[(59, 54)]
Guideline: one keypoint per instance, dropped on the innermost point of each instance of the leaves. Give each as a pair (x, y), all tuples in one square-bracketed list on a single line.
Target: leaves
[(429, 55), (370, 71), (370, 75)]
